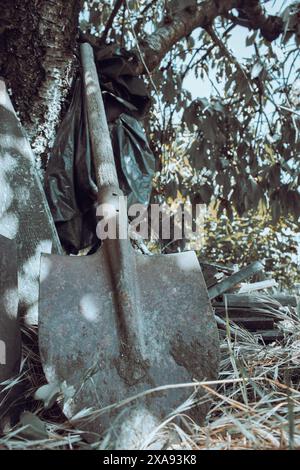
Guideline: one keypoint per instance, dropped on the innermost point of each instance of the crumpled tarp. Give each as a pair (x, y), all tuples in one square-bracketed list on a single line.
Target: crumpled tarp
[(122, 90), (70, 182)]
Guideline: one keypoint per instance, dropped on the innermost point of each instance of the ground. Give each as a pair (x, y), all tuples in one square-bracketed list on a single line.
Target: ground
[(255, 405)]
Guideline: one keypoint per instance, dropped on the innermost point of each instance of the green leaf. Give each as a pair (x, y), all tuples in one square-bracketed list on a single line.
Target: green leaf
[(197, 154), (229, 212), (48, 394), (68, 391), (256, 70), (35, 427), (276, 212), (205, 192), (190, 116), (209, 128), (250, 39), (275, 175), (253, 193), (171, 189), (169, 89), (242, 84), (229, 82), (191, 41)]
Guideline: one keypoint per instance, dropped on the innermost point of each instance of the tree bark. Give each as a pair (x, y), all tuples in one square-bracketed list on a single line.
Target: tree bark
[(37, 44)]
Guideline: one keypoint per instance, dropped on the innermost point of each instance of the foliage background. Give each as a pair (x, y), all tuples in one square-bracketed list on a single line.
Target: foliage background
[(237, 149)]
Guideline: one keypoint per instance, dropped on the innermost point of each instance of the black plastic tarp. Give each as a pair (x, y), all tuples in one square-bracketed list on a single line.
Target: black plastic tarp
[(69, 183)]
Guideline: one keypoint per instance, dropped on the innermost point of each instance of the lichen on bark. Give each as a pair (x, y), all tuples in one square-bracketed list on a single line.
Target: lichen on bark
[(37, 60)]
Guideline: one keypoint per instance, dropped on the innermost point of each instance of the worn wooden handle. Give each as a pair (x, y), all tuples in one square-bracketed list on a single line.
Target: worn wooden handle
[(106, 174)]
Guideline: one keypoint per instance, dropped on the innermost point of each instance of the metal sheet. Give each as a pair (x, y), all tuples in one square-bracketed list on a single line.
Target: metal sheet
[(10, 338), (24, 212)]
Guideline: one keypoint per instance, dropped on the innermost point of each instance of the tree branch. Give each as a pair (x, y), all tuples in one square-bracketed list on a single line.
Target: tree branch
[(251, 14), (226, 53), (143, 16), (154, 47), (110, 21)]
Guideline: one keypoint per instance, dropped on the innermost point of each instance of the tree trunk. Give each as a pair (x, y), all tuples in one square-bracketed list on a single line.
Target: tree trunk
[(37, 45)]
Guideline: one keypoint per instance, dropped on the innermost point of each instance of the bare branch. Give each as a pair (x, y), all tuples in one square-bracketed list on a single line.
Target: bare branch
[(117, 6), (142, 17)]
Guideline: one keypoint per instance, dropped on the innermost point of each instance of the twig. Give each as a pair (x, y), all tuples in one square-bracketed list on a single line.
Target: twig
[(289, 110), (226, 52), (110, 21), (141, 19), (190, 65)]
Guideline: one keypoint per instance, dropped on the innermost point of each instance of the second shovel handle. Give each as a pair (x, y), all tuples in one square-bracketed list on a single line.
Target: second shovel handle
[(104, 162)]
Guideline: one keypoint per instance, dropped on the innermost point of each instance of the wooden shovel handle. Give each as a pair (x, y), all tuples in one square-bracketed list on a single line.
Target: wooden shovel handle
[(106, 174)]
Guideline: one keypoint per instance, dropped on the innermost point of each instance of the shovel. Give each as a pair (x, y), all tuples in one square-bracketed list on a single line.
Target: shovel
[(10, 338), (118, 323)]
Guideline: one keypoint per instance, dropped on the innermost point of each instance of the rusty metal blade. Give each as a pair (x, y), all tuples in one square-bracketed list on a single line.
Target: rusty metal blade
[(81, 339)]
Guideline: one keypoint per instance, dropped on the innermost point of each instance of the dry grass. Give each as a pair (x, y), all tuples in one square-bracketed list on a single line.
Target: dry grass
[(255, 402)]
